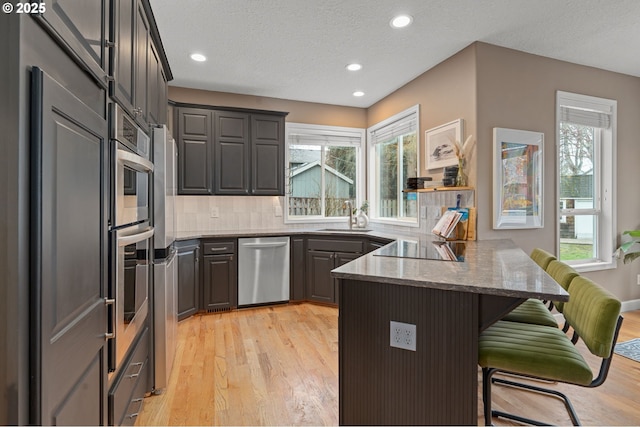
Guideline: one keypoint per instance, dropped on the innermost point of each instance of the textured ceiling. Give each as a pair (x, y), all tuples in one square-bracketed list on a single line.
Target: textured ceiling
[(298, 49)]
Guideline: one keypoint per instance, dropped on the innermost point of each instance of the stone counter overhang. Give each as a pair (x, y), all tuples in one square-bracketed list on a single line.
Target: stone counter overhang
[(493, 267)]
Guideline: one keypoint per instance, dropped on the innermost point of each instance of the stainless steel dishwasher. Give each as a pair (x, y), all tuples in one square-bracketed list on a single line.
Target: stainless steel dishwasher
[(263, 270)]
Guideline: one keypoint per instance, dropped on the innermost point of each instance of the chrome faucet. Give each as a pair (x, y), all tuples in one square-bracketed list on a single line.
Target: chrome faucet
[(349, 206)]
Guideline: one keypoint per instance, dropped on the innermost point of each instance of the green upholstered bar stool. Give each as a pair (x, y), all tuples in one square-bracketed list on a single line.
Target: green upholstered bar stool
[(564, 275), (542, 257), (539, 352), (533, 310)]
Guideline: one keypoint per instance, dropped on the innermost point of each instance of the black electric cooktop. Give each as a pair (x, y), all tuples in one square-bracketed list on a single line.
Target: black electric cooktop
[(433, 250)]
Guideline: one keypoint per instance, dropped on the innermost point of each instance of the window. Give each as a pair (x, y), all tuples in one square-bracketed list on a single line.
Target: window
[(393, 157), (586, 149), (324, 171)]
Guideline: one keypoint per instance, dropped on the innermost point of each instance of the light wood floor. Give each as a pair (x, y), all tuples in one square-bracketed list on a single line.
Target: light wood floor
[(279, 366)]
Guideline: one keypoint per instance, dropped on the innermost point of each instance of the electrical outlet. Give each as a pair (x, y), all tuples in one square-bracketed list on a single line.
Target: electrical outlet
[(638, 279), (215, 212), (402, 335)]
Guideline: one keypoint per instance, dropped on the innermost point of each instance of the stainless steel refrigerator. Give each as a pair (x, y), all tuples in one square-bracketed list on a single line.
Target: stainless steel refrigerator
[(165, 269)]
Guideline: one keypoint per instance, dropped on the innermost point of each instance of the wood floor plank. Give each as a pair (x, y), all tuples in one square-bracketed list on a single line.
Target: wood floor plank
[(279, 366)]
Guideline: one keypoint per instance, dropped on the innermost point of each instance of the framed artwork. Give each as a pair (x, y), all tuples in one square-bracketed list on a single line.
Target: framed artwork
[(439, 144), (517, 178)]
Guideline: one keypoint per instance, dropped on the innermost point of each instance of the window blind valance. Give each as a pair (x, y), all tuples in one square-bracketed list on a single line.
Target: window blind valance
[(402, 126), (598, 119)]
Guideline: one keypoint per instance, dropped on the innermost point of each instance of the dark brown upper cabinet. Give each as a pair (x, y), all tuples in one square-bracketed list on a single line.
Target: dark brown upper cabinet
[(245, 151), (231, 159), (195, 151), (81, 28), (267, 156)]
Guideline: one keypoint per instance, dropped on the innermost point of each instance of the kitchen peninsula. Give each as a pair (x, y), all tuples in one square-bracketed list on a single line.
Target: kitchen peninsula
[(449, 303)]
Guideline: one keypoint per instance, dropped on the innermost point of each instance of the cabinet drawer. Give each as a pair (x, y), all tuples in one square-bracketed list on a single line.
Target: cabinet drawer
[(218, 248), (137, 398), (336, 245), (134, 376)]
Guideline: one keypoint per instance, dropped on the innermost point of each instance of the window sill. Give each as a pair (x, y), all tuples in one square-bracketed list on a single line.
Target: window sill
[(396, 222), (594, 266)]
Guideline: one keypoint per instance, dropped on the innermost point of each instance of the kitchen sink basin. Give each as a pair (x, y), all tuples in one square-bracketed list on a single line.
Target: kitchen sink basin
[(348, 230)]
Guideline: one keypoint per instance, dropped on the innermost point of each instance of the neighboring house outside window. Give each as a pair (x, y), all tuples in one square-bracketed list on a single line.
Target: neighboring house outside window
[(393, 157), (325, 169), (586, 135)]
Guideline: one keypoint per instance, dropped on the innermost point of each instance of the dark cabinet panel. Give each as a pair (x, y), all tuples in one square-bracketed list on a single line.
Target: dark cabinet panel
[(231, 164), (297, 273), (267, 159), (155, 94), (194, 151), (188, 278), (69, 252), (220, 282), (82, 27)]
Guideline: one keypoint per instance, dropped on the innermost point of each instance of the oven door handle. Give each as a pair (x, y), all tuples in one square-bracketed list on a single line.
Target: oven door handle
[(134, 161), (135, 238)]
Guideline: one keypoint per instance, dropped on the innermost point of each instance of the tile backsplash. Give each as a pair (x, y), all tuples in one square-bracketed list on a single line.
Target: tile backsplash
[(224, 213)]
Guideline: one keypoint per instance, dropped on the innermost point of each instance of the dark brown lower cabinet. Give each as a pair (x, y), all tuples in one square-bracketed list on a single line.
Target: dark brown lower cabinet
[(188, 278), (323, 255), (220, 282)]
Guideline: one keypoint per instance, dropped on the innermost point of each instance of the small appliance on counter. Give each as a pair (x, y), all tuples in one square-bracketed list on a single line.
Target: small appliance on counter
[(165, 264)]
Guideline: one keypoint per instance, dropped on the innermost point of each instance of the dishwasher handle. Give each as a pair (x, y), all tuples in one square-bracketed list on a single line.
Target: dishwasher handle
[(264, 245)]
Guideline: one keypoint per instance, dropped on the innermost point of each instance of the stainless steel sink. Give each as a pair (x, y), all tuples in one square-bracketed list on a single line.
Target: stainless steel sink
[(348, 230)]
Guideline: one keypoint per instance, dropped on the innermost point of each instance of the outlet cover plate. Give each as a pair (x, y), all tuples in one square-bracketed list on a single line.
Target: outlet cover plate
[(402, 335)]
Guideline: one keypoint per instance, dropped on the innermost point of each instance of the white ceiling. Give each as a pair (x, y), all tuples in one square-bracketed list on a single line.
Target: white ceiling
[(298, 49)]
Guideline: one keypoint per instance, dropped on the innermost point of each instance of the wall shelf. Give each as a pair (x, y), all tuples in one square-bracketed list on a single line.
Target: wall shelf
[(434, 189)]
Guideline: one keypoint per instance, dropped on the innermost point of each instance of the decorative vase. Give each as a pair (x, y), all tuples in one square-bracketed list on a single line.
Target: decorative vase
[(362, 220), (461, 178)]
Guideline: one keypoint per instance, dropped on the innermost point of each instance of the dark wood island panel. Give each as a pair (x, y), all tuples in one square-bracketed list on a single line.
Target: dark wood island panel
[(384, 385)]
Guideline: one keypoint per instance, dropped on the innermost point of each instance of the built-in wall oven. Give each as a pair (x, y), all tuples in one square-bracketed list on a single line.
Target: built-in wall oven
[(131, 252)]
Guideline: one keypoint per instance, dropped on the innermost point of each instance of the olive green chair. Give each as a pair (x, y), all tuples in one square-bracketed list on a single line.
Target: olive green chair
[(542, 257), (544, 353), (534, 310)]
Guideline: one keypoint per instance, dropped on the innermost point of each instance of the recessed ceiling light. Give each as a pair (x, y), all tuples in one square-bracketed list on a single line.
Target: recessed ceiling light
[(354, 67), (198, 57), (401, 21), (358, 93)]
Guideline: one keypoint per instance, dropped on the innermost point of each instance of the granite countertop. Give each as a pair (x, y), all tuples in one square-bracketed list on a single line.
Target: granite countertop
[(495, 267), (290, 231)]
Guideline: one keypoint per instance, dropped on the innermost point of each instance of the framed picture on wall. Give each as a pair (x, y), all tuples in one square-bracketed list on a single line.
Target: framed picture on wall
[(439, 144), (517, 178)]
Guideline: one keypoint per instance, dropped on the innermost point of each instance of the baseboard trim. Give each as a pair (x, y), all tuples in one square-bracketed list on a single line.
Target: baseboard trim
[(631, 305)]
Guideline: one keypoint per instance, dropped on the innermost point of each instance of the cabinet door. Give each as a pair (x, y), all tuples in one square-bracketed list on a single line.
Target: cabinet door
[(124, 51), (231, 152), (267, 156), (188, 279), (142, 42), (194, 151), (220, 282), (320, 285), (156, 93), (70, 250), (341, 258), (83, 27)]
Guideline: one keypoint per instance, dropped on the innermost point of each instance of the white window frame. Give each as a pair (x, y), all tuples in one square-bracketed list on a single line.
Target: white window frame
[(373, 179), (604, 186), (324, 133)]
